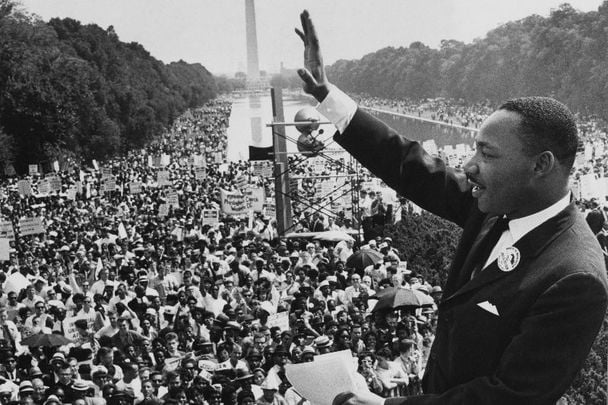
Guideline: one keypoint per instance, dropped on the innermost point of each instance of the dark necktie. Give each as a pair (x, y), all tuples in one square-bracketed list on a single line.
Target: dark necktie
[(487, 244)]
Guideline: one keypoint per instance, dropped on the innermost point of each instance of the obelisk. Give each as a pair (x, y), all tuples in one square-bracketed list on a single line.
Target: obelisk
[(253, 67)]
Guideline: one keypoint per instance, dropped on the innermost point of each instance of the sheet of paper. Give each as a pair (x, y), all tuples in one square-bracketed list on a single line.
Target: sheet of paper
[(327, 376), (5, 248)]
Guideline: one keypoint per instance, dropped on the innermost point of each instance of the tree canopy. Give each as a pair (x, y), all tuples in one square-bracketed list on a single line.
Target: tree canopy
[(564, 56), (73, 89)]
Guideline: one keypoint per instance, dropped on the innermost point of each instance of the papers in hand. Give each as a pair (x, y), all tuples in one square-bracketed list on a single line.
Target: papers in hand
[(327, 376)]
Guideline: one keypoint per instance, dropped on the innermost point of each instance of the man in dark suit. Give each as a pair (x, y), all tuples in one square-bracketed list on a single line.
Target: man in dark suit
[(523, 303)]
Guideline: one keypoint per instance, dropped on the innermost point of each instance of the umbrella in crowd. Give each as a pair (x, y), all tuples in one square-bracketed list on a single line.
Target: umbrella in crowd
[(363, 258), (334, 236), (397, 298), (45, 340)]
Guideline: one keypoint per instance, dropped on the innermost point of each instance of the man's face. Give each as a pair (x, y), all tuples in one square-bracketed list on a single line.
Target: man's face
[(157, 380), (74, 367), (259, 342), (11, 363), (501, 172), (38, 388), (391, 321), (65, 375), (172, 345), (175, 382), (214, 291), (123, 326)]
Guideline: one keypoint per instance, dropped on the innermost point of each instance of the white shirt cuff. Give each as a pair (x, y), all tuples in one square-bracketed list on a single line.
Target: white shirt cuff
[(338, 108)]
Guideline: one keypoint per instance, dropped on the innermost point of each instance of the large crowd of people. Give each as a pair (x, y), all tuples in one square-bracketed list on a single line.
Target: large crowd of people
[(115, 288), (128, 295)]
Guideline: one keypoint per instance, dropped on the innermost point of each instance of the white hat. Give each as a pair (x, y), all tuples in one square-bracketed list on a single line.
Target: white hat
[(269, 384)]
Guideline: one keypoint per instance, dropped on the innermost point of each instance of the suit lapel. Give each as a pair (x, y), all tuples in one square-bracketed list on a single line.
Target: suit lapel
[(529, 246)]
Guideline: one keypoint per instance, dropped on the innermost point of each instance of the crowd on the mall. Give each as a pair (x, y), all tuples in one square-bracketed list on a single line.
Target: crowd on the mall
[(448, 111), (121, 300)]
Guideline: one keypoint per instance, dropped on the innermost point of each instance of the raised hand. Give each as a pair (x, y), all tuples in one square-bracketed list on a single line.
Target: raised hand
[(315, 82)]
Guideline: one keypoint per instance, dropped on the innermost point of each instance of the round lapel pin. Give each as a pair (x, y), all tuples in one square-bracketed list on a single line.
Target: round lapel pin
[(508, 259)]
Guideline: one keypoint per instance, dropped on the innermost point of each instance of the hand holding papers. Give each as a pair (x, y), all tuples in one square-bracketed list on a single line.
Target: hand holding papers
[(328, 376)]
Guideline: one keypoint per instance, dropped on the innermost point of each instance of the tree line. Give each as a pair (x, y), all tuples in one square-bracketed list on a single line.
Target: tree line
[(563, 56), (74, 90)]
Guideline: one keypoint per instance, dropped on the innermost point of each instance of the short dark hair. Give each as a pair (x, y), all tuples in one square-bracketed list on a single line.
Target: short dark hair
[(547, 125)]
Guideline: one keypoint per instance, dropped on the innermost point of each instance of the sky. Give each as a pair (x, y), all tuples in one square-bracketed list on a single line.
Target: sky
[(212, 32)]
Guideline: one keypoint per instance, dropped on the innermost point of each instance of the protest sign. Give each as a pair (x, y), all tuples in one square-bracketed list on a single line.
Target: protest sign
[(241, 182), (319, 165), (30, 226), (200, 173), (280, 319), (108, 185), (326, 188), (163, 178), (165, 160), (54, 183), (33, 170), (198, 161), (106, 172), (163, 210), (262, 168), (155, 161), (173, 199), (255, 198), (135, 187), (233, 203), (71, 193), (44, 187), (219, 158), (5, 249), (95, 165), (6, 230), (270, 211), (210, 217), (69, 328), (24, 187)]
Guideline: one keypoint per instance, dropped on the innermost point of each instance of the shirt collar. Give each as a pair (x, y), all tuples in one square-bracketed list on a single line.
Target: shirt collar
[(521, 226)]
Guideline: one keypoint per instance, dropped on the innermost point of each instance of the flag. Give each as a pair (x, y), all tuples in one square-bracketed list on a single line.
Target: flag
[(260, 153)]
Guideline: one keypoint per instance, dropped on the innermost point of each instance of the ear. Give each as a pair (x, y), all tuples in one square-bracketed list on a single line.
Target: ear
[(545, 163)]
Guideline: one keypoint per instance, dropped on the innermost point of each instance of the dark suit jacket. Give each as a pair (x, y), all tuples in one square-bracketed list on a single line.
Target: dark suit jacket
[(550, 307)]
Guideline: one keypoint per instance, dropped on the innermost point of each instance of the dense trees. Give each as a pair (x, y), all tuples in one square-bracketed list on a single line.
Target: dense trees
[(73, 89), (564, 55)]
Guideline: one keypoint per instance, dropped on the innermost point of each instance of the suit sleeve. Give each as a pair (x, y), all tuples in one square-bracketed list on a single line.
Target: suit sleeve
[(540, 363), (407, 168)]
